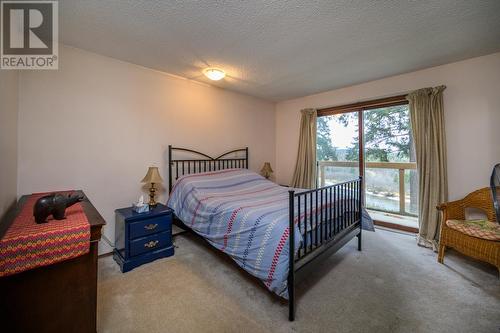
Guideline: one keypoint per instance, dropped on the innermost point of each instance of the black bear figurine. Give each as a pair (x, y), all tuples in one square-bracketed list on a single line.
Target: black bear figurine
[(54, 204)]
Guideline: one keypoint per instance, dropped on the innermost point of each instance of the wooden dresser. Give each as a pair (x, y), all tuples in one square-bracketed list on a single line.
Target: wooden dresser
[(57, 298)]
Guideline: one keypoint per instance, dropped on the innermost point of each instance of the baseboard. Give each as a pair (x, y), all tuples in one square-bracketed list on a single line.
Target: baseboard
[(105, 246), (395, 226)]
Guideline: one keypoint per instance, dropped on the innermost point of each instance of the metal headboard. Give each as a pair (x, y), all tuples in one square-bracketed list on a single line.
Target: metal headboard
[(201, 162), (494, 184)]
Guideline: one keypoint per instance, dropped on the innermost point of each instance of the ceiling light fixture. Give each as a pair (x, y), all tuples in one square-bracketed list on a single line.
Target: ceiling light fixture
[(214, 74)]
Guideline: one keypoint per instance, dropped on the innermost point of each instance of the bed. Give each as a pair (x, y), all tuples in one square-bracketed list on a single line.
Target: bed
[(275, 233)]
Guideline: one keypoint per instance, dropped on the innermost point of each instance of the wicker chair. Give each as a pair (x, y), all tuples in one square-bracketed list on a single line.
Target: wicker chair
[(478, 248)]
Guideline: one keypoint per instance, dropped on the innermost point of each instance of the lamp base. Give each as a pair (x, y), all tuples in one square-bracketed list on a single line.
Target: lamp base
[(152, 202)]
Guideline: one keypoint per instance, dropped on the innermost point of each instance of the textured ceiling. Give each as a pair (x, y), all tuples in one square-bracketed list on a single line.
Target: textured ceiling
[(278, 50)]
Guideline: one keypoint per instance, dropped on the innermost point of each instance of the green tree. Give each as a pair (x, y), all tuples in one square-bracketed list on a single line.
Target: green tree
[(325, 149), (386, 132)]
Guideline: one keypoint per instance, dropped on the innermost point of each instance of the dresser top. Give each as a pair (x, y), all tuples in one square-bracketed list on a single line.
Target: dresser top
[(95, 219), (129, 215)]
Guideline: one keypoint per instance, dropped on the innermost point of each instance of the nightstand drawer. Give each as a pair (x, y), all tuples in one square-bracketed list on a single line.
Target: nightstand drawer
[(149, 226), (150, 243)]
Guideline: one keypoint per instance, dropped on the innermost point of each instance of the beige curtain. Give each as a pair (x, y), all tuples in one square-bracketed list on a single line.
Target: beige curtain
[(304, 175), (427, 121)]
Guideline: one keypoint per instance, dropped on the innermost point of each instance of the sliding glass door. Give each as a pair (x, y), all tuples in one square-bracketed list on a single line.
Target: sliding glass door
[(390, 169), (373, 141)]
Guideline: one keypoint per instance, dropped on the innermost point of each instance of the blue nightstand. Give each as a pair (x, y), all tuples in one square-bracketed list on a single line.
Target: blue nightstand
[(142, 238)]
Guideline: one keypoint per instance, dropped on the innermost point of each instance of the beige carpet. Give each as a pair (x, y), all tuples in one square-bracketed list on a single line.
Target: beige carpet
[(392, 286)]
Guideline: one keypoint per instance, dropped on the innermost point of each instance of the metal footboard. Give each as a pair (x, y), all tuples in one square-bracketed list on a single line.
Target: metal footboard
[(325, 219)]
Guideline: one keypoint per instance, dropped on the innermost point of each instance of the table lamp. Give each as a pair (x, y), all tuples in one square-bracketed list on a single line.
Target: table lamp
[(152, 177), (266, 170)]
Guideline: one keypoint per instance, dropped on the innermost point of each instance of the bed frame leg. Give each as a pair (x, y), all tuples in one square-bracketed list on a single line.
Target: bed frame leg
[(291, 257), (291, 299), (360, 210)]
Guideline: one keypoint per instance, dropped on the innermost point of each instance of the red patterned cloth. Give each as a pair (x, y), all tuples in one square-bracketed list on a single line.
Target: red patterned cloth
[(27, 245)]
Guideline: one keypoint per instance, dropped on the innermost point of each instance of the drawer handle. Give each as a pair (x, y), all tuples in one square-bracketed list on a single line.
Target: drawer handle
[(151, 244), (151, 226)]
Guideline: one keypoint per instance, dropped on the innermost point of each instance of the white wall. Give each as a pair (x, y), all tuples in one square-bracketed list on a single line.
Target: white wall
[(97, 124), (472, 116), (8, 138)]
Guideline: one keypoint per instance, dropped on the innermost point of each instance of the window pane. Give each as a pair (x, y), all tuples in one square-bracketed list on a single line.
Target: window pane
[(338, 148), (389, 160), (411, 192), (382, 189), (387, 134)]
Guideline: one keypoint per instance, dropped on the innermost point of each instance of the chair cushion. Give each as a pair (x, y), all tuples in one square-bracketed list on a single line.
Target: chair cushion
[(483, 229)]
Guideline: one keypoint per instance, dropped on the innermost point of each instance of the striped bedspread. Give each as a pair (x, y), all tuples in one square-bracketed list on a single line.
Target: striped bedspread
[(242, 214)]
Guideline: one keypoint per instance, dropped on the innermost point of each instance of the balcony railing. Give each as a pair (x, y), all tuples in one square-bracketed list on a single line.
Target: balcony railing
[(401, 167)]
